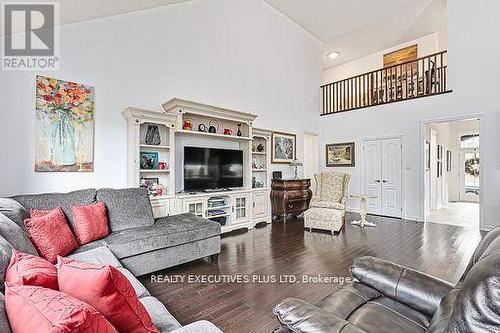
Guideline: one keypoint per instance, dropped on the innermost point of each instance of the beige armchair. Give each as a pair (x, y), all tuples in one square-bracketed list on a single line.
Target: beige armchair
[(327, 208)]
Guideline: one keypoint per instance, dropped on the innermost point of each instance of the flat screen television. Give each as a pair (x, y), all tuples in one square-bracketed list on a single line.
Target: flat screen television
[(212, 169)]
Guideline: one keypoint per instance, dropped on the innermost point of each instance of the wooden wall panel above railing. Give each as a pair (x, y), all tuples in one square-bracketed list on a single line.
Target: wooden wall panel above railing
[(422, 77)]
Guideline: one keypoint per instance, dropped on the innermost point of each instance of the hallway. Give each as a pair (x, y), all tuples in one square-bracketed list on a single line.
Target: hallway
[(463, 214)]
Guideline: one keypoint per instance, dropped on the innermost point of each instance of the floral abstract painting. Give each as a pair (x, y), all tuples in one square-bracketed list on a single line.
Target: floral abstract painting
[(64, 126)]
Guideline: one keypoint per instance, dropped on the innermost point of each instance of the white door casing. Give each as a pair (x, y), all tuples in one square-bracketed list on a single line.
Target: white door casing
[(433, 170), (372, 151), (391, 177), (382, 174), (310, 160)]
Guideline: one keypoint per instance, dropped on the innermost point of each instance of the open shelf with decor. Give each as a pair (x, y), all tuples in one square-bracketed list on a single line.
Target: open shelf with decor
[(261, 159), (206, 120), (151, 155), (159, 147), (212, 135)]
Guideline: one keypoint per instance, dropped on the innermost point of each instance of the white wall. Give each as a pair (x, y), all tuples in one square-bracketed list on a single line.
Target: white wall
[(237, 54), (473, 55), (438, 186)]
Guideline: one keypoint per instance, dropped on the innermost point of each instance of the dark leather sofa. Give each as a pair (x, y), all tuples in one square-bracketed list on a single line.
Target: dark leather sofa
[(389, 298)]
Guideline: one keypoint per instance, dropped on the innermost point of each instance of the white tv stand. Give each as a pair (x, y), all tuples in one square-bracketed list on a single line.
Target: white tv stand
[(240, 208), (235, 211)]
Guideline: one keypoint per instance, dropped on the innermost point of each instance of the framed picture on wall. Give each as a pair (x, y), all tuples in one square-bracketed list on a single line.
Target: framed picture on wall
[(427, 155), (439, 170), (340, 154), (64, 126), (283, 147), (448, 160)]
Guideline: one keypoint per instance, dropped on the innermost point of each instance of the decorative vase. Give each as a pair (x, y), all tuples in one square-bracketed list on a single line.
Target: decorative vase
[(63, 140), (239, 130), (153, 135)]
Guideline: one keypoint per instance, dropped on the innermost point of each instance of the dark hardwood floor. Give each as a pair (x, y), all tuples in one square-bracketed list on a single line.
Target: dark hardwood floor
[(440, 250)]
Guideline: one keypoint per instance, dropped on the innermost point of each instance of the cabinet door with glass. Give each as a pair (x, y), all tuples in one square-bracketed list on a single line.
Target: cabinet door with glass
[(195, 206), (241, 211)]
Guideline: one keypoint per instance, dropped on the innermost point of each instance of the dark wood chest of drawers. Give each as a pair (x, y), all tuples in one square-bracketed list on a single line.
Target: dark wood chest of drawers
[(290, 197)]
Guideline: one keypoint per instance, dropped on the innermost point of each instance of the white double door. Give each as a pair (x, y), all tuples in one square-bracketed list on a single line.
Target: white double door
[(382, 176)]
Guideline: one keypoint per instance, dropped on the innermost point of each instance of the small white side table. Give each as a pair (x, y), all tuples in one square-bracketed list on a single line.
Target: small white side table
[(362, 211)]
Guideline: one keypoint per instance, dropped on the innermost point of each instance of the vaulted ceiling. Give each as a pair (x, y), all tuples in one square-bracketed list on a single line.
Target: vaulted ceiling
[(71, 11), (358, 28)]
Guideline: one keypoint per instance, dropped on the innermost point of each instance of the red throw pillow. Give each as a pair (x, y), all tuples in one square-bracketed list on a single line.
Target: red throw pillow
[(90, 222), (34, 309), (39, 212), (51, 235), (25, 269), (108, 290)]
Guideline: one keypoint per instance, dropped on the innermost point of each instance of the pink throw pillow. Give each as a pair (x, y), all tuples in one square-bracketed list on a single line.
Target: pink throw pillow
[(90, 222), (25, 269), (51, 235), (108, 290), (32, 309)]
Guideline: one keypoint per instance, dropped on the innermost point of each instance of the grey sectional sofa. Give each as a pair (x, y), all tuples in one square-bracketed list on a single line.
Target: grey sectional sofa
[(142, 243), (138, 243)]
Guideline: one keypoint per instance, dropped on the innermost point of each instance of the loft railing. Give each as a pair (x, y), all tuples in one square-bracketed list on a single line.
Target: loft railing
[(422, 77)]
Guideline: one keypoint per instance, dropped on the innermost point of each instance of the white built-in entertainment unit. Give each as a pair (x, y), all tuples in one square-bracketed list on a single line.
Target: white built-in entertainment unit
[(156, 142)]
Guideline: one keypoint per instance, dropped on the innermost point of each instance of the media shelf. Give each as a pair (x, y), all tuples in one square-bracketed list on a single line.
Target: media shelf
[(261, 159), (146, 146), (150, 140), (231, 209), (239, 208), (212, 135)]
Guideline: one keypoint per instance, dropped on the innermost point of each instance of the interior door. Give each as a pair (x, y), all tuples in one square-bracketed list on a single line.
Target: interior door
[(372, 151), (391, 178), (469, 174)]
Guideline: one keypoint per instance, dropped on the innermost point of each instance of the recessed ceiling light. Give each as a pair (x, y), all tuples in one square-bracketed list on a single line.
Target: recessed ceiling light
[(332, 55)]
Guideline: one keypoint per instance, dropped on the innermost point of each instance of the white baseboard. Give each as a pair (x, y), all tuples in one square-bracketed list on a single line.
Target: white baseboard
[(412, 218), (405, 217)]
